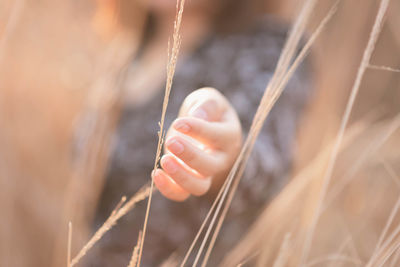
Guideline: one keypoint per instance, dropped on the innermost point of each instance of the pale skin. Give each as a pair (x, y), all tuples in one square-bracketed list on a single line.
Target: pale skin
[(201, 146)]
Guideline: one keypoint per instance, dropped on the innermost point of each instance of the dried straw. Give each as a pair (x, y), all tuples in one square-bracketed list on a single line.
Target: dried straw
[(111, 221), (384, 68), (171, 65), (11, 24), (69, 244), (286, 77), (272, 93), (328, 174), (135, 253)]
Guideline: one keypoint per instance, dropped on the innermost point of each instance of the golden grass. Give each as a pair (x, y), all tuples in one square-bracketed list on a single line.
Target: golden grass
[(135, 254), (120, 211), (274, 89), (354, 91), (384, 68), (69, 244), (171, 65), (277, 238)]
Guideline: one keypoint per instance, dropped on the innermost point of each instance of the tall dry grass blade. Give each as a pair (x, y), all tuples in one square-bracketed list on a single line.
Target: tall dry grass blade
[(341, 248), (392, 215), (134, 259), (100, 116), (248, 259), (285, 78), (283, 255), (395, 259), (271, 224), (294, 37), (354, 92), (270, 96), (384, 68), (391, 172), (111, 221), (171, 65), (389, 252), (379, 249), (371, 149), (386, 245), (334, 258), (69, 244), (119, 205), (10, 25)]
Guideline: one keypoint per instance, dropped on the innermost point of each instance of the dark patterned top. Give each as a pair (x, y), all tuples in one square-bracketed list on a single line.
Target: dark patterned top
[(240, 66)]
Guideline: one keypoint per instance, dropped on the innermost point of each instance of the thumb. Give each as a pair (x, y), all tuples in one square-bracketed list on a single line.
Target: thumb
[(206, 103), (208, 110)]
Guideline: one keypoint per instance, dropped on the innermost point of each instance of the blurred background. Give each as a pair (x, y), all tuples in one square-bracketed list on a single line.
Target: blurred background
[(57, 58)]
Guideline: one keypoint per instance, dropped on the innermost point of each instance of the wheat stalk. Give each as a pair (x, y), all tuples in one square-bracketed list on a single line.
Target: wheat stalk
[(11, 24), (271, 222), (384, 68), (171, 65), (69, 244), (303, 53), (354, 91), (135, 253), (116, 214), (272, 93)]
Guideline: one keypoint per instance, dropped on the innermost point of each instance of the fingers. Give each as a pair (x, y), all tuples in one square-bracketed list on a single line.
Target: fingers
[(215, 134), (206, 103), (168, 187), (184, 177), (196, 158)]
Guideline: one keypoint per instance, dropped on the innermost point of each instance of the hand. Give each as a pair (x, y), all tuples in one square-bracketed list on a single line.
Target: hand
[(200, 147)]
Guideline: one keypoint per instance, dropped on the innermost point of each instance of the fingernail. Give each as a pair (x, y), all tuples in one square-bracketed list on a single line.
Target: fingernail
[(170, 166), (175, 146), (182, 126), (199, 113), (159, 180)]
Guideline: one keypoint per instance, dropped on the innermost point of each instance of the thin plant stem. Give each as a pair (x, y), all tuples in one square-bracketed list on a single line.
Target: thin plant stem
[(171, 65), (354, 92), (303, 53), (384, 68), (69, 244)]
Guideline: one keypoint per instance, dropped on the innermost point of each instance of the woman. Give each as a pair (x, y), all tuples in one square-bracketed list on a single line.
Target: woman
[(227, 46)]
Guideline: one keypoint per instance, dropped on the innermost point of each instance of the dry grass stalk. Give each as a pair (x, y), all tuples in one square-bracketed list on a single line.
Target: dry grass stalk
[(391, 172), (269, 98), (171, 65), (384, 68), (135, 253), (335, 258), (282, 258), (101, 114), (392, 214), (327, 177), (303, 53), (370, 150), (272, 94), (272, 224), (69, 244), (111, 221), (387, 246), (11, 24)]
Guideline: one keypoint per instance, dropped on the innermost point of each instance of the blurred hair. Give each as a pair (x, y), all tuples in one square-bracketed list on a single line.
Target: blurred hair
[(226, 15), (234, 15)]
